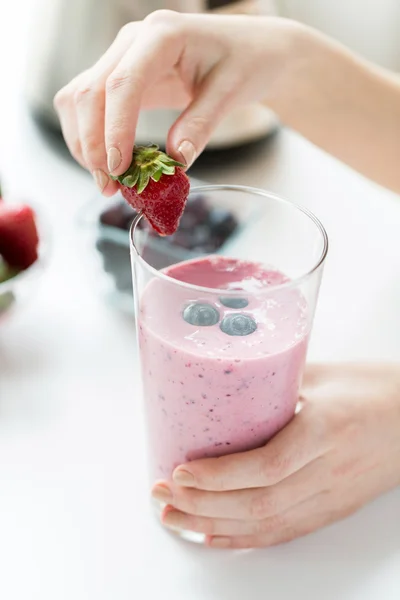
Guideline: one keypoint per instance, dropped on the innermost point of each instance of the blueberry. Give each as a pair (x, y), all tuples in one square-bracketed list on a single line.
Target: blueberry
[(234, 302), (203, 315), (238, 325)]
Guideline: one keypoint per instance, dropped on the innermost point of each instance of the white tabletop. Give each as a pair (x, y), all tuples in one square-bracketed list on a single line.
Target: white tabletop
[(74, 515)]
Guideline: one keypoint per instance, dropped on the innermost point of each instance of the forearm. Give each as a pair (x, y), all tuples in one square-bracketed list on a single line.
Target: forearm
[(343, 104)]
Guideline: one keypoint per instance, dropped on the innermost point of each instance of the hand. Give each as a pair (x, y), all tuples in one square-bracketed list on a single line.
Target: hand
[(203, 64), (338, 453)]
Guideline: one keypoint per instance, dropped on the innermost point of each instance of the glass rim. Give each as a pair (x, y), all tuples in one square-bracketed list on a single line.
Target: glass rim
[(295, 282)]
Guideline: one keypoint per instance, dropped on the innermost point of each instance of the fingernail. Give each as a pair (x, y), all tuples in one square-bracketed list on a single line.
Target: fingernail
[(183, 477), (162, 493), (188, 152), (113, 159), (220, 542), (100, 178)]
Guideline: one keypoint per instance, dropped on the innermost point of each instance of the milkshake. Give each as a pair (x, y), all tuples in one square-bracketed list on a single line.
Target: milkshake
[(221, 368)]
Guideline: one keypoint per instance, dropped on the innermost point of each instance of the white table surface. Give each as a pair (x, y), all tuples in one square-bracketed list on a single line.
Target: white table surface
[(74, 516)]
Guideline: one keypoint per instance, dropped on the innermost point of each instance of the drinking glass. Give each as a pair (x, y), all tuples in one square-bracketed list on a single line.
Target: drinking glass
[(223, 336)]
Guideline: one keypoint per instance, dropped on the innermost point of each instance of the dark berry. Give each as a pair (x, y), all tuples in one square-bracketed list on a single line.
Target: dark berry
[(202, 315), (197, 205), (222, 224), (238, 325), (120, 215), (182, 239)]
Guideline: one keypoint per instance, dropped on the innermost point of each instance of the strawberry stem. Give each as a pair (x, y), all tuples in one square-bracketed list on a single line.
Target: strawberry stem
[(148, 162)]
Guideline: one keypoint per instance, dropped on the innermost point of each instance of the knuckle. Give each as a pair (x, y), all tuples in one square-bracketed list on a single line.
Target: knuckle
[(85, 92), (161, 17), (127, 30), (272, 524), (118, 80), (345, 468), (187, 502), (262, 505), (276, 467), (61, 98), (167, 24)]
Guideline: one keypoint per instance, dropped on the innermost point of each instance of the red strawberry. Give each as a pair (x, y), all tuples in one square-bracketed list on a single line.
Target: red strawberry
[(18, 235), (156, 185)]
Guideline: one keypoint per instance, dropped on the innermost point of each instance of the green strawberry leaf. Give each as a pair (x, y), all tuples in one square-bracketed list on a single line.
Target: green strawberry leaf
[(148, 162), (157, 176)]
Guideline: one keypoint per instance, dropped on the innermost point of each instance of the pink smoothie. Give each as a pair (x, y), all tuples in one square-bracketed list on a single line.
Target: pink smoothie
[(224, 387)]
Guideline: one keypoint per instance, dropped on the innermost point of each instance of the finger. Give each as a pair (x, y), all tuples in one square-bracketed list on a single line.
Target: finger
[(154, 53), (192, 130), (298, 444), (226, 527), (297, 522), (253, 504), (89, 106), (77, 90), (69, 125), (236, 505), (89, 100)]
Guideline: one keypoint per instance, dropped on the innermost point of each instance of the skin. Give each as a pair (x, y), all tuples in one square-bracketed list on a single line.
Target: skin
[(339, 452), (208, 64), (343, 449)]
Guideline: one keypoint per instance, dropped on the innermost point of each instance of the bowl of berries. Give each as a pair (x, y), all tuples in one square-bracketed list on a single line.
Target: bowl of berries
[(23, 253), (207, 226), (181, 222)]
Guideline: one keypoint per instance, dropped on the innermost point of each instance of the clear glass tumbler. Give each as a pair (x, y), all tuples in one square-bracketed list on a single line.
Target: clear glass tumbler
[(223, 337)]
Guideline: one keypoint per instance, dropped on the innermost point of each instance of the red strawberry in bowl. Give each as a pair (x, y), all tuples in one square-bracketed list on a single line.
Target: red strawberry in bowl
[(18, 235), (24, 247), (156, 185)]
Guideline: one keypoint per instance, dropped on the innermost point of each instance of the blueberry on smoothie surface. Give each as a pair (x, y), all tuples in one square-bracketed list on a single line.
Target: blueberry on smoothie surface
[(238, 325), (234, 302), (201, 314)]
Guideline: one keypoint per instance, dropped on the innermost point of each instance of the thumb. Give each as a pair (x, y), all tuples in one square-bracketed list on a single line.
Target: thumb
[(192, 130)]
